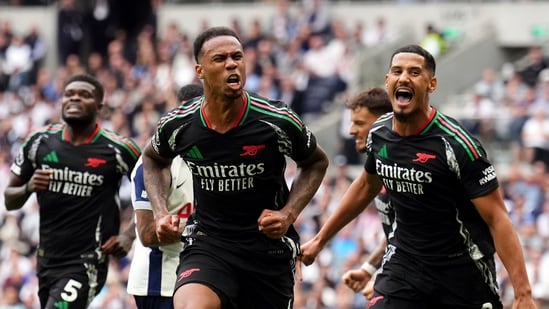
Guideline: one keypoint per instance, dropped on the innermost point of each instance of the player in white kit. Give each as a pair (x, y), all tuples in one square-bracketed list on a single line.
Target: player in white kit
[(153, 270)]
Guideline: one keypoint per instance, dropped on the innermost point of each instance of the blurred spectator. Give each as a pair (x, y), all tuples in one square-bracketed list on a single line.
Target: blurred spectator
[(38, 51), (10, 298), (542, 221), (237, 26), (490, 85), (6, 30), (70, 32), (283, 23), (254, 34), (434, 42), (18, 63), (73, 65), (145, 119), (95, 64), (541, 286), (16, 268), (520, 111), (535, 63), (515, 89), (183, 63), (503, 117), (526, 190), (129, 26), (377, 35), (315, 16), (542, 100), (535, 137), (477, 115), (101, 26), (324, 80)]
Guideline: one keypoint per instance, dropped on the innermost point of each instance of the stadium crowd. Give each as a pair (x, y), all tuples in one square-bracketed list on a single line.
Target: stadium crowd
[(142, 73)]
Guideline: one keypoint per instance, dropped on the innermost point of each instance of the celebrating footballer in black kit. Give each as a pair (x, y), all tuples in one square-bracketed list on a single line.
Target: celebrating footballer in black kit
[(75, 167), (246, 160), (415, 169), (450, 218), (428, 202), (242, 249), (236, 176)]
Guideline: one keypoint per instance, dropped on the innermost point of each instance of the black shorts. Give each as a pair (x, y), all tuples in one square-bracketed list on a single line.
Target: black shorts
[(153, 302), (408, 283), (242, 280), (70, 284)]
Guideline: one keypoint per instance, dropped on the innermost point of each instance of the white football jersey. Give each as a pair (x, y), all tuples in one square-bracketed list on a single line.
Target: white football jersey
[(153, 270)]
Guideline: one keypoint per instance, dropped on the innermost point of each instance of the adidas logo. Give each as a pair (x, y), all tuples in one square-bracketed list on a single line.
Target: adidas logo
[(383, 152), (194, 153), (51, 157)]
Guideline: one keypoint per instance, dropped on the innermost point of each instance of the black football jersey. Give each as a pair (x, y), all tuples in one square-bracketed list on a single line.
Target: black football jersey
[(240, 173), (431, 178), (80, 209)]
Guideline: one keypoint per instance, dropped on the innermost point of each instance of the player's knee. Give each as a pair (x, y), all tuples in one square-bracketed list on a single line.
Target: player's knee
[(196, 296)]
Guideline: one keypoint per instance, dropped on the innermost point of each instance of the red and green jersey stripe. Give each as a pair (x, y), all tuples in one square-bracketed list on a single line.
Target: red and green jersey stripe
[(263, 106), (126, 143), (457, 132)]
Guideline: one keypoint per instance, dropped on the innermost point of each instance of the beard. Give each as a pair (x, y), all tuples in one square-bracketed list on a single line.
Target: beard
[(78, 121), (404, 117)]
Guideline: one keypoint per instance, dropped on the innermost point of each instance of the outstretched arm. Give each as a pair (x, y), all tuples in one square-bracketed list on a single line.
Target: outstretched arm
[(357, 197), (492, 209)]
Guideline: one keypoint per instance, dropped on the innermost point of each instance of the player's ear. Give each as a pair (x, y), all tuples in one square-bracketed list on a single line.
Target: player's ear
[(432, 85), (198, 69), (100, 104)]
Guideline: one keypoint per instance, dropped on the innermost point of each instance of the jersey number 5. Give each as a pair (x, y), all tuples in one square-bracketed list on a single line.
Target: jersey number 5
[(70, 293)]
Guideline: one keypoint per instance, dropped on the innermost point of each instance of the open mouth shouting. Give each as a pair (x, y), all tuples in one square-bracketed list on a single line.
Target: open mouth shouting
[(403, 96), (234, 82)]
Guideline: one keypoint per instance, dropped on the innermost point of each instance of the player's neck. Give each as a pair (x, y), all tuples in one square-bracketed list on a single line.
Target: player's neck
[(414, 124), (80, 134), (221, 116)]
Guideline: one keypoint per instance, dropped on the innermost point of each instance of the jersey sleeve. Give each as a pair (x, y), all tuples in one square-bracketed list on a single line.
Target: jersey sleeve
[(127, 151), (370, 163), (130, 154), (303, 141), (303, 144), (139, 197), (160, 141), (479, 177), (25, 161)]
